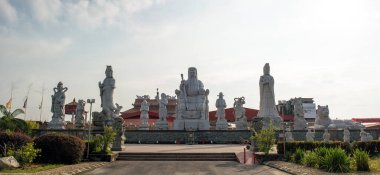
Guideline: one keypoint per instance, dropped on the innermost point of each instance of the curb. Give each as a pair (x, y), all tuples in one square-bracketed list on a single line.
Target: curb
[(275, 166), (85, 169)]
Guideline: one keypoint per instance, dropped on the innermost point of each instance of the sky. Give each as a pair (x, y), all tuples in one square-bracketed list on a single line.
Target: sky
[(328, 50)]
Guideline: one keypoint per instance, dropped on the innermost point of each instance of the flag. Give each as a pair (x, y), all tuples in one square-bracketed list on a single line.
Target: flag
[(25, 103), (40, 106), (8, 105)]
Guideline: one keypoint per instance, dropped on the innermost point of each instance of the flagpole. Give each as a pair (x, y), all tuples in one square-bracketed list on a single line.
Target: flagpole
[(26, 99), (42, 100)]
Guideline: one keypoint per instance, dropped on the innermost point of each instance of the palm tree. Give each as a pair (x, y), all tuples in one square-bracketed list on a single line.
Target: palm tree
[(9, 121)]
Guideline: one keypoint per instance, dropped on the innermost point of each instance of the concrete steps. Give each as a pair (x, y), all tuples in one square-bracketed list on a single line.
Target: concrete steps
[(177, 156)]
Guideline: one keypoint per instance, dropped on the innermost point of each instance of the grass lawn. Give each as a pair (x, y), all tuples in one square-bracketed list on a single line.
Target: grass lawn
[(374, 164), (32, 168)]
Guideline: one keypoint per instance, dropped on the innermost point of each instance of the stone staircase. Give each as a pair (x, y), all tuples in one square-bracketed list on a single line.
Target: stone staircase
[(123, 156)]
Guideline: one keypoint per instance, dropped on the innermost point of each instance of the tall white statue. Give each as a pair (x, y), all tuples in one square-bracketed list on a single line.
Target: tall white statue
[(79, 114), (346, 135), (310, 135), (299, 120), (110, 113), (240, 118), (106, 93), (144, 116), (192, 107), (161, 123), (58, 107), (268, 111), (221, 123)]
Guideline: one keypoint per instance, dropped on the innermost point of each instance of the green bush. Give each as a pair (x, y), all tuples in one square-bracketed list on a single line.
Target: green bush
[(12, 140), (310, 159), (265, 139), (25, 155), (59, 149), (361, 160), (297, 157), (335, 160), (371, 146), (310, 146)]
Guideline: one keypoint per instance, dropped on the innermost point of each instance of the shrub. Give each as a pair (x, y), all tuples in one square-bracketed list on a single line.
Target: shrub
[(310, 159), (335, 160), (25, 155), (265, 139), (361, 160), (12, 140), (58, 148), (371, 146), (297, 157), (310, 146)]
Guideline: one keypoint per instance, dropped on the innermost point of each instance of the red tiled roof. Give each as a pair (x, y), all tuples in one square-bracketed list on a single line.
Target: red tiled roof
[(230, 117), (366, 120)]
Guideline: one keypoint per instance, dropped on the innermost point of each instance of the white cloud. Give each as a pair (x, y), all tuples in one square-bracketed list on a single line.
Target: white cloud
[(17, 48), (7, 11), (46, 11)]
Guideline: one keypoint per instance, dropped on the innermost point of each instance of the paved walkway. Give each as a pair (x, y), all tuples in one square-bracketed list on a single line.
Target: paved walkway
[(201, 148), (183, 168)]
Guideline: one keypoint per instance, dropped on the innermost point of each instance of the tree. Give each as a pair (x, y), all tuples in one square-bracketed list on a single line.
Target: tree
[(9, 121), (265, 139)]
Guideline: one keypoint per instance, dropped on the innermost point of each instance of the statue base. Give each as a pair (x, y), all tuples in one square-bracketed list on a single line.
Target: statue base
[(191, 124), (222, 125), (56, 123), (118, 144), (161, 125), (263, 123), (241, 125), (144, 126), (300, 124)]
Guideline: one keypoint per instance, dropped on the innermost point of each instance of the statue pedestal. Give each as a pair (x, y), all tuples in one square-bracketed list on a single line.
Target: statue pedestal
[(118, 144), (241, 125), (222, 124), (191, 124), (143, 127), (161, 125), (263, 123), (56, 123)]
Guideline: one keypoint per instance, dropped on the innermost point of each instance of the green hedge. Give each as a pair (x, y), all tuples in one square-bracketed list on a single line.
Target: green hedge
[(370, 146), (309, 146), (59, 148)]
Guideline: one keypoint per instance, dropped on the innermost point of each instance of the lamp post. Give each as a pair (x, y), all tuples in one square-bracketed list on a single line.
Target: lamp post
[(89, 126)]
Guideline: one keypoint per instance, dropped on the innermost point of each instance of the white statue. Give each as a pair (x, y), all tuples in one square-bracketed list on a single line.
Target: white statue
[(289, 135), (240, 118), (79, 114), (268, 110), (326, 136), (310, 135), (58, 107), (299, 120), (323, 120), (346, 135), (221, 123), (161, 123), (144, 115), (106, 93), (192, 107)]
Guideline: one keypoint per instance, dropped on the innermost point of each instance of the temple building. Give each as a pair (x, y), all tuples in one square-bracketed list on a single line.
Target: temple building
[(132, 116)]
